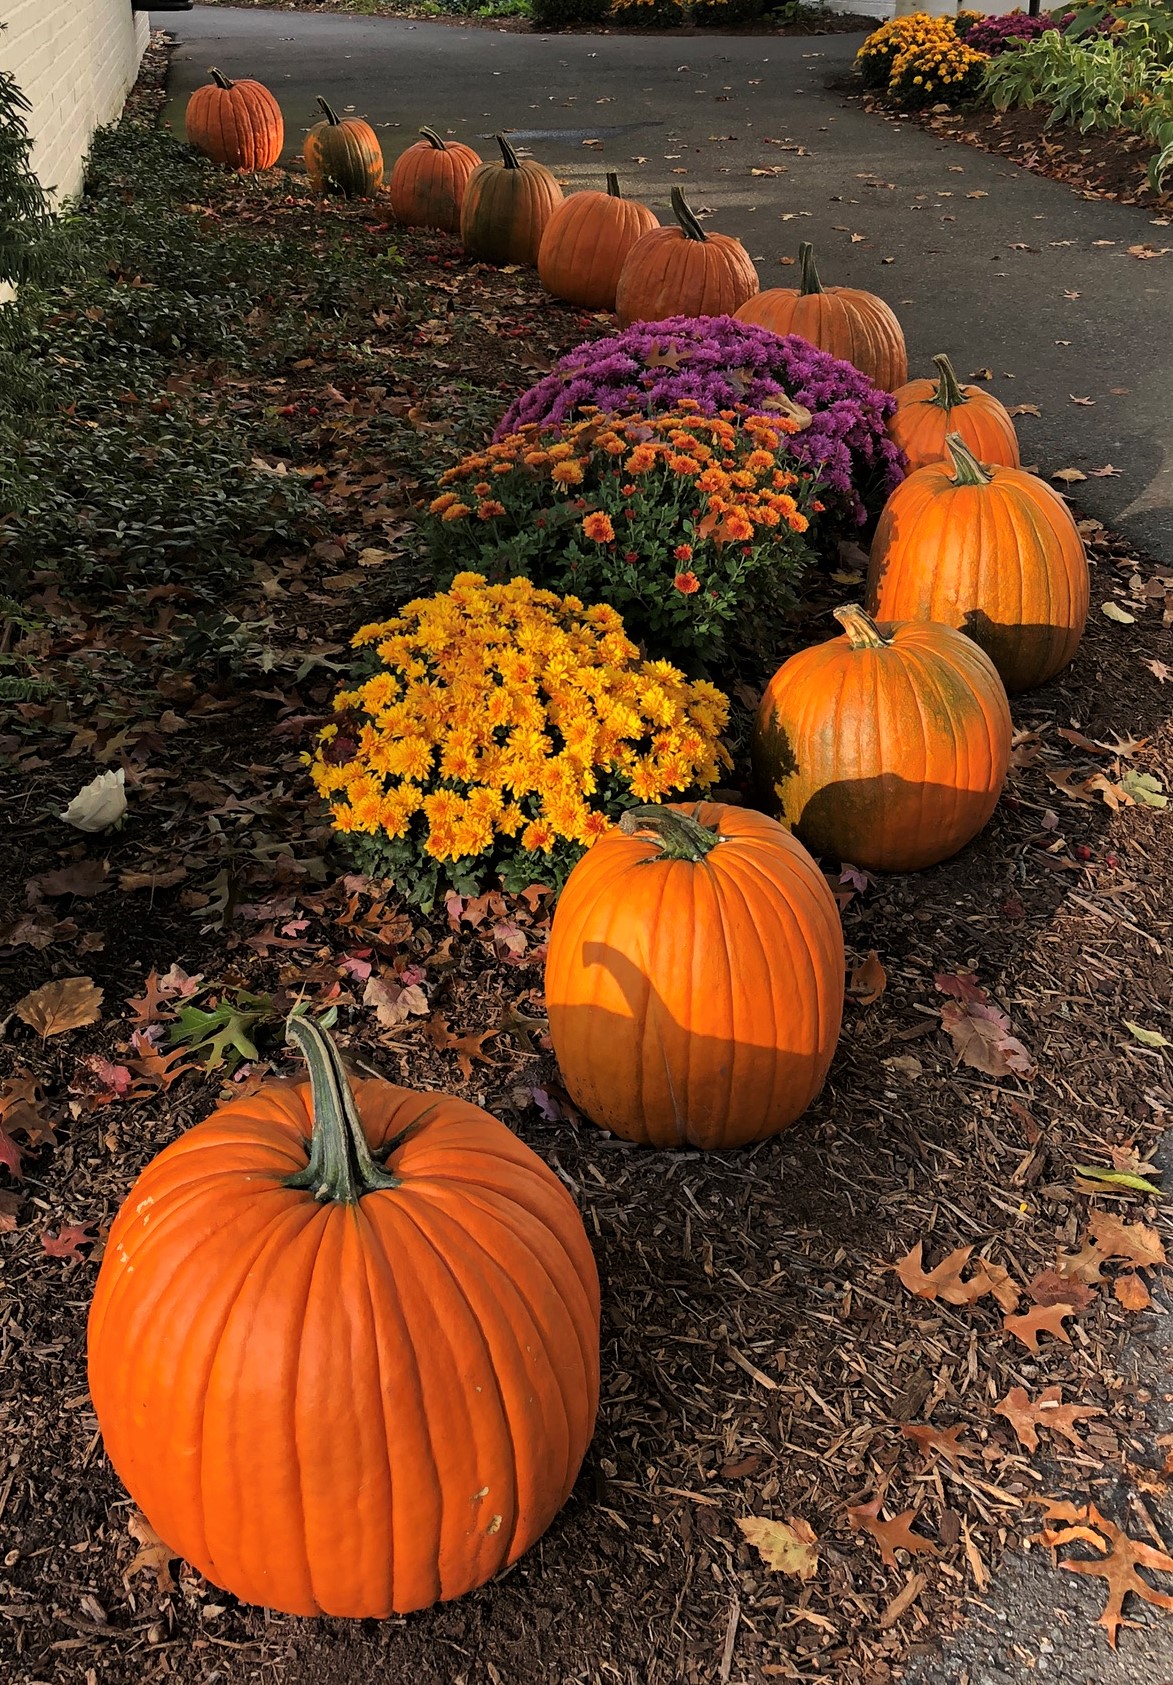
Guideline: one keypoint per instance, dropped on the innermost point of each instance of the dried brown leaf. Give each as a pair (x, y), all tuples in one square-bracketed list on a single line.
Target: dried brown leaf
[(69, 1003), (891, 1536), (788, 1547), (1044, 1319), (1048, 1411)]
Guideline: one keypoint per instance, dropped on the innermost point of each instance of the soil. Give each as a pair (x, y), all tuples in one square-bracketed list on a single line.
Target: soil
[(830, 23), (759, 1356)]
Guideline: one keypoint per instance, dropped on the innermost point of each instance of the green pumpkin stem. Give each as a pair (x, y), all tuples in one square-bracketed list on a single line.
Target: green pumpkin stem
[(679, 835), (331, 115), (433, 140), (948, 395), (613, 185), (967, 470), (341, 1167), (808, 275), (220, 79), (511, 160), (685, 216), (862, 631)]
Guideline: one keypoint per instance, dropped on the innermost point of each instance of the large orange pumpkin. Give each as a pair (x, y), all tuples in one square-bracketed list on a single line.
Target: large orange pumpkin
[(926, 410), (586, 244), (683, 271), (235, 123), (887, 747), (343, 1347), (993, 551), (343, 155), (694, 978), (428, 182), (506, 208), (851, 324)]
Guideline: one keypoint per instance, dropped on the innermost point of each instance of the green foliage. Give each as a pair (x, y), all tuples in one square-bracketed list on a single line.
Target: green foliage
[(559, 14), (24, 210)]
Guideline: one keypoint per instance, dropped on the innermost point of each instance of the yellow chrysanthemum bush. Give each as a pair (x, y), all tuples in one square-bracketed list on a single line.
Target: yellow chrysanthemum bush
[(498, 731), (684, 522), (919, 58)]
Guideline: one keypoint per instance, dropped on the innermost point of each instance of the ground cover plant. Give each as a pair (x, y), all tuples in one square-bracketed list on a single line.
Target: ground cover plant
[(838, 1369)]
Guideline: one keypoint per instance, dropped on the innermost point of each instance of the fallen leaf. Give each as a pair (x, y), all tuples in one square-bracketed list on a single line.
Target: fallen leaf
[(1104, 473), (1090, 1178), (1085, 1265), (1051, 1288), (981, 1037), (85, 877), (1113, 611), (1068, 476), (393, 1003), (1024, 409), (938, 1442), (1044, 1319), (1132, 1292), (787, 1547), (67, 1004), (891, 1536), (65, 1243), (905, 1065), (152, 1555), (868, 980), (1120, 1569), (1144, 789), (1048, 1411), (1136, 1243), (99, 804), (1147, 1038)]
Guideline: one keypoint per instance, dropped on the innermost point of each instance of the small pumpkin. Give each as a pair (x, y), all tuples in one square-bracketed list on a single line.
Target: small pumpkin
[(926, 410), (506, 208), (887, 747), (683, 271), (586, 244), (238, 124), (849, 323), (343, 155), (428, 182), (993, 551), (344, 1344), (694, 978)]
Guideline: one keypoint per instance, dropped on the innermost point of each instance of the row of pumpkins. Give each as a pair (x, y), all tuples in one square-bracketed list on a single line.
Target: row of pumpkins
[(344, 1345)]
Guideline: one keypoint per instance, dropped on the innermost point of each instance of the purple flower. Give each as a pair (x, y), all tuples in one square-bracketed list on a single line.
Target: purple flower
[(723, 364), (993, 35)]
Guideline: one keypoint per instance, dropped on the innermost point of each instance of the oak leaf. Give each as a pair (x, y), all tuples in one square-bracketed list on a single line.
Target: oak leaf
[(1048, 1411), (938, 1442), (891, 1536), (68, 1003), (1051, 1288), (789, 1547), (1132, 1292), (1044, 1319), (944, 1282), (1136, 1243), (1085, 1265), (1120, 1567), (65, 1243), (868, 980), (153, 1554)]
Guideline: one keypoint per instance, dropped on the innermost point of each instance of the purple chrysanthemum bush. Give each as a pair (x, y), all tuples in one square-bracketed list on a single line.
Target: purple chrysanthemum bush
[(721, 364)]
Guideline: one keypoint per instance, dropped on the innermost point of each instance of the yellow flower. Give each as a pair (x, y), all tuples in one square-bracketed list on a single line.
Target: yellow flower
[(567, 473), (456, 511)]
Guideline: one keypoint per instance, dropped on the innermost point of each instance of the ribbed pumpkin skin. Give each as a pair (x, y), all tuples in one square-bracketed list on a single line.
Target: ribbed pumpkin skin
[(586, 244), (921, 422), (347, 1409), (506, 209), (428, 184), (344, 157), (856, 326), (696, 1004), (1003, 562), (239, 125), (892, 756), (667, 274)]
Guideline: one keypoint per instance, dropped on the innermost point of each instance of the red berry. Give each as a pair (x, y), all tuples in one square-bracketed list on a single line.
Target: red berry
[(1082, 851)]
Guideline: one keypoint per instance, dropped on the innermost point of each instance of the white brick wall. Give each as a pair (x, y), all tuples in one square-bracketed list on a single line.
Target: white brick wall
[(75, 60)]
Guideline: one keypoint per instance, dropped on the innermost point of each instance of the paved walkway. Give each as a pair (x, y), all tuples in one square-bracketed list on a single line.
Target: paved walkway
[(1002, 269)]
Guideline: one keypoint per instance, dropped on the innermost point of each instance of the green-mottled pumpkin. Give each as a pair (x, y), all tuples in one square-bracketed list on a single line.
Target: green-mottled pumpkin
[(343, 155)]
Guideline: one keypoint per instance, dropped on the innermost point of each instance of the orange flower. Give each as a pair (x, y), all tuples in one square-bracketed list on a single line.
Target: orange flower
[(456, 511), (489, 508), (567, 473), (598, 527), (682, 553), (687, 583)]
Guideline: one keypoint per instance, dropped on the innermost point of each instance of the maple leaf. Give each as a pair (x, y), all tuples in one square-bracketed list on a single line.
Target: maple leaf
[(868, 980), (891, 1536), (1137, 1243), (981, 1037), (393, 1003), (788, 1547), (938, 1442), (1048, 1411), (1120, 1568), (69, 1003), (152, 1554), (1044, 1319), (65, 1243)]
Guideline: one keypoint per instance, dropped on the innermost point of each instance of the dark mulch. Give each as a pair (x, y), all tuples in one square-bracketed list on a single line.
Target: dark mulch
[(758, 1358)]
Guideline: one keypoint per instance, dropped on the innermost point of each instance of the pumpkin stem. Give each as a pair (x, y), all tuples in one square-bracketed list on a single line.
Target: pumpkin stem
[(613, 185), (948, 395), (680, 835), (682, 211), (862, 631), (808, 275), (512, 161), (332, 116), (433, 140), (219, 78), (341, 1167), (967, 470)]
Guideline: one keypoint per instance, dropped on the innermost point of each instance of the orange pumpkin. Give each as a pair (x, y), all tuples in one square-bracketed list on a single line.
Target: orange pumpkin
[(926, 410), (888, 747), (586, 244), (355, 1379), (683, 271), (343, 155), (694, 978), (428, 182), (856, 326), (506, 208), (235, 123), (993, 551)]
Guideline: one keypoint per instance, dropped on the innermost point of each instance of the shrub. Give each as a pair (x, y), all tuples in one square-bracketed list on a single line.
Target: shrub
[(719, 363), (649, 14), (720, 14), (501, 731), (936, 69), (685, 523), (560, 14), (993, 35), (884, 46)]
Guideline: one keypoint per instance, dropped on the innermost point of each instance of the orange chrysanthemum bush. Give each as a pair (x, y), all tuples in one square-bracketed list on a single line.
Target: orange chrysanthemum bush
[(685, 523), (498, 731)]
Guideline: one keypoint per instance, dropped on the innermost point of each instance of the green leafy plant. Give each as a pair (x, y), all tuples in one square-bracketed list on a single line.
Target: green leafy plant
[(24, 209)]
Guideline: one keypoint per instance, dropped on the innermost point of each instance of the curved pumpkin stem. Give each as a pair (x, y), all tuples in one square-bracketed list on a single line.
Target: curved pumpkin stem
[(220, 79), (808, 275), (967, 470), (685, 216), (613, 185), (331, 115), (680, 836), (511, 160), (948, 395), (433, 140), (862, 631), (341, 1167)]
